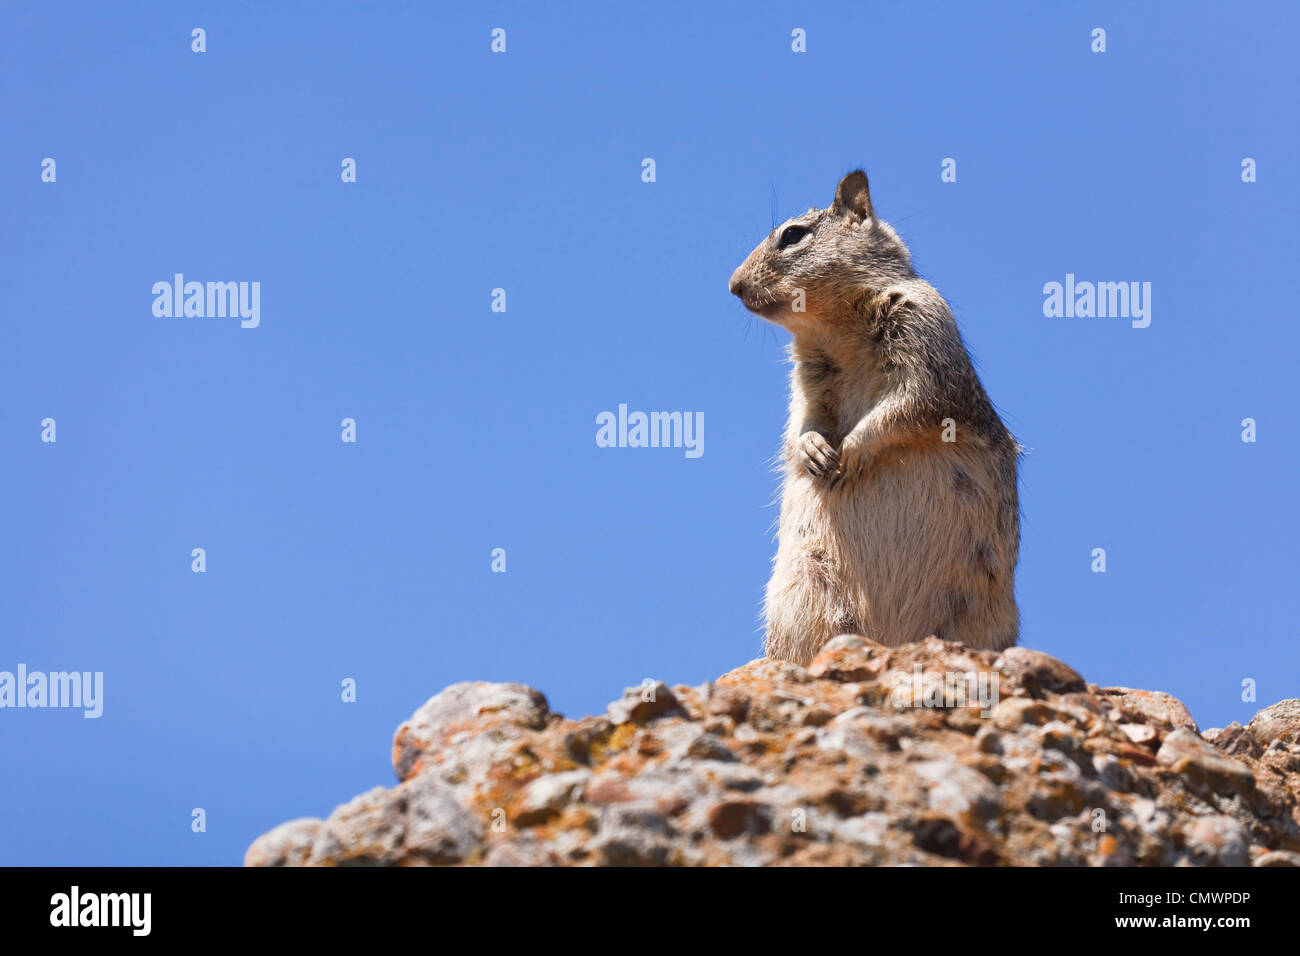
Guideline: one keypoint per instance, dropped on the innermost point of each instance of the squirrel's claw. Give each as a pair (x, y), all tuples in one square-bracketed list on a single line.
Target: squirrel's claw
[(818, 457)]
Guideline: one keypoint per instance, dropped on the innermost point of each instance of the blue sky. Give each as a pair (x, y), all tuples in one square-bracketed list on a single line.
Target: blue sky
[(476, 429)]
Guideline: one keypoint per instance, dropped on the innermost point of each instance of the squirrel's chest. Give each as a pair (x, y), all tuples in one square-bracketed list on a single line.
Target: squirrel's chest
[(835, 391)]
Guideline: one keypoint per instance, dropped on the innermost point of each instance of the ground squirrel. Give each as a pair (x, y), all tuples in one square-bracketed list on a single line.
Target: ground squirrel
[(899, 515)]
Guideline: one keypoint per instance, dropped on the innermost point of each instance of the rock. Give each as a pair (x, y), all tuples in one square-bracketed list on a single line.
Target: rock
[(632, 835), (1062, 736), (1236, 740), (1185, 753), (706, 746), (289, 844), (368, 830), (1111, 773), (1110, 852), (419, 822), (1148, 707), (727, 702), (438, 828), (942, 837), (958, 791), (988, 740), (835, 764), (731, 818), (609, 788), (1017, 712), (1279, 722), (849, 657), (1278, 858), (1155, 828), (1038, 672), (869, 829), (474, 709), (640, 704), (584, 736), (527, 850), (548, 795), (1219, 839), (1139, 733), (848, 739)]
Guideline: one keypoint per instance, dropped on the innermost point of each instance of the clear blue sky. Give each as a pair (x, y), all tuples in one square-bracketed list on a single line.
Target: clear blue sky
[(476, 429)]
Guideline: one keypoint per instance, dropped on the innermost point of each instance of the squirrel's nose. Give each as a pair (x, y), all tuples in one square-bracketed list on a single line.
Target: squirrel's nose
[(737, 285)]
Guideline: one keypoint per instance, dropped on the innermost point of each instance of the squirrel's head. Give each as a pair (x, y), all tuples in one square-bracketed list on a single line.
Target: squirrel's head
[(812, 267)]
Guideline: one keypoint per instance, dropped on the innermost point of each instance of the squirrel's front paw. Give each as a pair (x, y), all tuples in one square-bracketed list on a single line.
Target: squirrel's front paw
[(855, 460), (818, 457)]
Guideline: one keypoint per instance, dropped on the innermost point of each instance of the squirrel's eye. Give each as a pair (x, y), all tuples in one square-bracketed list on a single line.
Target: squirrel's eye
[(791, 235)]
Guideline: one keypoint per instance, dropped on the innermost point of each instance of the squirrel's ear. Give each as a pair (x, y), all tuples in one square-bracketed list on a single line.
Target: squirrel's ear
[(853, 197)]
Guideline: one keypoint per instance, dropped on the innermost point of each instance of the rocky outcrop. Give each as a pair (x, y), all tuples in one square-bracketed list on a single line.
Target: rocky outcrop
[(931, 754)]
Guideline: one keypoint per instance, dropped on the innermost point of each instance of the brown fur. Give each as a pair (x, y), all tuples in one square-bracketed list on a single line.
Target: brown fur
[(886, 529)]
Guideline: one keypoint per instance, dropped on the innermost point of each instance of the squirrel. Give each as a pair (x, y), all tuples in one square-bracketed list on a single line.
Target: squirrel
[(899, 512)]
